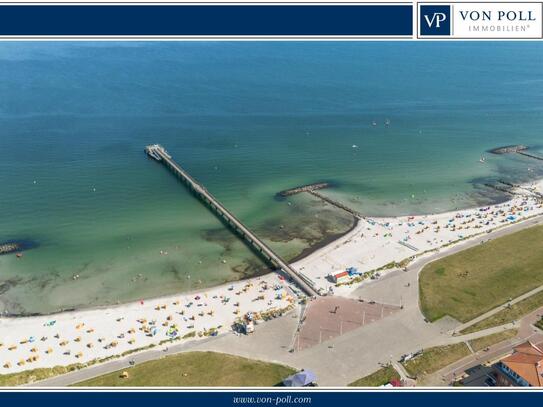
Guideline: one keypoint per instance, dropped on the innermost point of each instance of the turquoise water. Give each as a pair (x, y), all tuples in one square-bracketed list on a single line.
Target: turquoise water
[(247, 120)]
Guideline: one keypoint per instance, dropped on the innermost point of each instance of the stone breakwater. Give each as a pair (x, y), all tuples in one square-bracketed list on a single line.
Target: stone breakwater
[(508, 149), (7, 248), (16, 246), (304, 188)]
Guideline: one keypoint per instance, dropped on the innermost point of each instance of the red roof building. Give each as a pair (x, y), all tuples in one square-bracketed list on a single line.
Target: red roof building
[(524, 367), (341, 277)]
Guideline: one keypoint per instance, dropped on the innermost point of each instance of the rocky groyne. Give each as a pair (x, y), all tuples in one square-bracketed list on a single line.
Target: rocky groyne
[(304, 188), (508, 149), (14, 246)]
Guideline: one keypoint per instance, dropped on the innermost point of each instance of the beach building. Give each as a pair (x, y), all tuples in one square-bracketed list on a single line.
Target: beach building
[(341, 277), (523, 368)]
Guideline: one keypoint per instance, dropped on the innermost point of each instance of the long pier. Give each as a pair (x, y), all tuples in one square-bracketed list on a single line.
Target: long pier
[(158, 152)]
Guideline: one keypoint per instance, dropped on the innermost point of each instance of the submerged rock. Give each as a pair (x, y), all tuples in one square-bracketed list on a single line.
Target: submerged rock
[(6, 248), (16, 246)]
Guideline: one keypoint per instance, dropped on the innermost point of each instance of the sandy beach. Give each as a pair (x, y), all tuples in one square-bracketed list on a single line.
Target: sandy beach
[(94, 334), (377, 242)]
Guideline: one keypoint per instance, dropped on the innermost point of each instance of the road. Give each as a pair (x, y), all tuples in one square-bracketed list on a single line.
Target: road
[(526, 331)]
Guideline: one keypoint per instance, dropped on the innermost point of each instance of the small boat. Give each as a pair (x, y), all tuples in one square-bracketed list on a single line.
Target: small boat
[(355, 146), (482, 160)]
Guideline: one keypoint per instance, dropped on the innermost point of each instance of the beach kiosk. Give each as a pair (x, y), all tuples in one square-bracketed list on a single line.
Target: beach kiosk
[(341, 277)]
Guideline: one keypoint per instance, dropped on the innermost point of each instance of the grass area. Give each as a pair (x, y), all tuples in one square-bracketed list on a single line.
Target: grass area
[(380, 377), (539, 324), (433, 359), (507, 315), (474, 281), (489, 340), (28, 376), (197, 369)]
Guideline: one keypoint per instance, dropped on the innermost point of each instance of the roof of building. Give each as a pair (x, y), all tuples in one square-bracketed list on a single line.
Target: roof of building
[(527, 361), (341, 274), (300, 379)]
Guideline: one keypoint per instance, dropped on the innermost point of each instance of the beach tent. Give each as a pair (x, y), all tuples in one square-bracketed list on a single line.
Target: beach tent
[(301, 379)]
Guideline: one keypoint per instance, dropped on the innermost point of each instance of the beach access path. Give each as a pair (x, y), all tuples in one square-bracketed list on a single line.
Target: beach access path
[(346, 358), (526, 332)]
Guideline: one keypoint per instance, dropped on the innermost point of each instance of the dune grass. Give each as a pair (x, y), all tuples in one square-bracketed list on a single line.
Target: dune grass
[(378, 378), (34, 375), (434, 359), (489, 340)]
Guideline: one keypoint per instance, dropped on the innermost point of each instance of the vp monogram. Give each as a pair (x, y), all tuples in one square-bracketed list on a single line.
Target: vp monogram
[(437, 19)]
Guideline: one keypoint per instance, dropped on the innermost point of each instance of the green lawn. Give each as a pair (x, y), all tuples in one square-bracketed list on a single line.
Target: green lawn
[(380, 377), (472, 282), (485, 341), (433, 359), (507, 315), (197, 369)]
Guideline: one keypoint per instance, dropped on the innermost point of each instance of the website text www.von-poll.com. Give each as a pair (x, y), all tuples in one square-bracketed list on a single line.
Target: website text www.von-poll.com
[(271, 400)]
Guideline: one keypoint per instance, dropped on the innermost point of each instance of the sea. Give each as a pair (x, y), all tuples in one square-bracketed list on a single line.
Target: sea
[(395, 127)]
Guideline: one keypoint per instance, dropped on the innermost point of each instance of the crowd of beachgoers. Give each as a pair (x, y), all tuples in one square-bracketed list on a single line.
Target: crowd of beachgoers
[(97, 334), (86, 336), (376, 243)]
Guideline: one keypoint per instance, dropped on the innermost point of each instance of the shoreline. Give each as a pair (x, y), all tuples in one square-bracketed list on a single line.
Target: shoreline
[(378, 242), (327, 241), (102, 332)]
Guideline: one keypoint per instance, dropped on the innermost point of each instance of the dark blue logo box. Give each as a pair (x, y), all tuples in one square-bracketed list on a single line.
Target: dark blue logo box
[(435, 19)]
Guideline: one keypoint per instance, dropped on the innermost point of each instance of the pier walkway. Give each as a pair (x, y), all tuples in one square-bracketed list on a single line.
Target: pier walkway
[(159, 153)]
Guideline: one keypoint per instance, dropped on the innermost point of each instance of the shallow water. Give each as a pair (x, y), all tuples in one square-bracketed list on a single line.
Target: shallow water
[(247, 120)]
